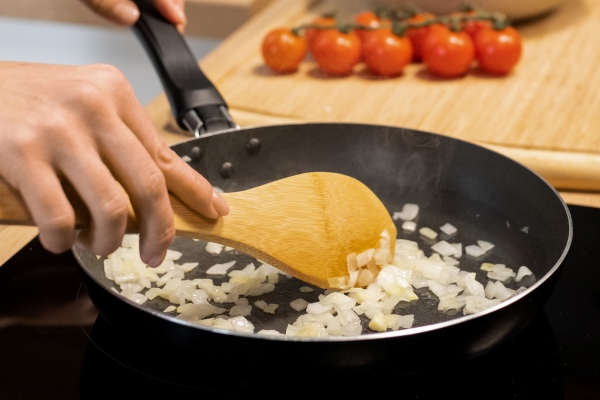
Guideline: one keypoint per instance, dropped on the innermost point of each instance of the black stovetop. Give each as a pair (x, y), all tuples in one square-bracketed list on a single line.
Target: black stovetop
[(53, 345)]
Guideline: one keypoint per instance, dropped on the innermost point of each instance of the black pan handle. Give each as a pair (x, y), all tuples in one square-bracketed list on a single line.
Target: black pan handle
[(195, 102)]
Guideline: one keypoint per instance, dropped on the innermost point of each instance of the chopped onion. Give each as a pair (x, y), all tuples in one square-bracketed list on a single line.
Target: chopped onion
[(220, 269), (408, 213), (428, 232), (409, 226), (522, 272), (377, 282), (214, 248), (299, 304), (448, 229)]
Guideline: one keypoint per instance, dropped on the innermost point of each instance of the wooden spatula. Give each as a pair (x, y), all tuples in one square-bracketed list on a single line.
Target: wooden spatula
[(305, 225)]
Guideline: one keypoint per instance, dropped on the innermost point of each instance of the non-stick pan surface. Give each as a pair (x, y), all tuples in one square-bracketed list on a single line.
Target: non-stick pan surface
[(485, 195)]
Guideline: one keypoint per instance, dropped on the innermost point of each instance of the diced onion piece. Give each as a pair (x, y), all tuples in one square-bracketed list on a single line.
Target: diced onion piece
[(214, 248), (299, 304), (261, 304), (501, 272), (377, 323), (444, 248), (220, 269), (485, 246), (352, 262), (409, 226), (408, 213), (271, 308), (522, 272), (448, 229), (474, 250), (338, 282), (318, 308), (240, 310), (486, 266), (364, 257), (269, 332), (428, 232)]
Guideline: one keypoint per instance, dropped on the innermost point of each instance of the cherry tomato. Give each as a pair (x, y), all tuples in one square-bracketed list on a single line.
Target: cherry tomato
[(472, 26), (498, 51), (416, 35), (366, 18), (385, 53), (283, 50), (448, 53), (337, 52), (311, 33)]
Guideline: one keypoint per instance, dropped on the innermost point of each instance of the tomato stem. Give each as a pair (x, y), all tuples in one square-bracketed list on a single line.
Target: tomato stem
[(400, 23)]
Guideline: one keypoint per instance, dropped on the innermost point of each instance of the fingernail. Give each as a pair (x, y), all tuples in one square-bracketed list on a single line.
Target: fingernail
[(156, 260), (126, 13), (220, 204)]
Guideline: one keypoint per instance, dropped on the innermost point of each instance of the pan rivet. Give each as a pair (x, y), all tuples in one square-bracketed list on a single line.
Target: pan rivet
[(253, 146), (226, 170), (195, 153)]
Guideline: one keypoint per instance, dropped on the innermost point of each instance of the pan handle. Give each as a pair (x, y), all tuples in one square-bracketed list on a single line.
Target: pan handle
[(195, 102)]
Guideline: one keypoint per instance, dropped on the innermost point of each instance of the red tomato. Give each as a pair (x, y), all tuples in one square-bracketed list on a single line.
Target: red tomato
[(337, 52), (471, 25), (498, 51), (366, 18), (311, 33), (474, 26), (416, 35), (447, 53), (283, 50), (386, 54)]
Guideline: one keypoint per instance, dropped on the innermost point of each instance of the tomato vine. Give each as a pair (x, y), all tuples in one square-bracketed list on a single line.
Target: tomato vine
[(386, 41)]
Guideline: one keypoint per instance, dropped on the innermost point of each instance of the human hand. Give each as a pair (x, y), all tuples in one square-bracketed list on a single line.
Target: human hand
[(83, 126), (125, 12)]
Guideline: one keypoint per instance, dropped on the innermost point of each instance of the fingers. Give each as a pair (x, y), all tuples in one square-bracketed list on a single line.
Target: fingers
[(181, 179), (122, 12), (126, 13), (53, 214), (83, 127), (173, 10), (104, 198), (113, 101), (145, 184)]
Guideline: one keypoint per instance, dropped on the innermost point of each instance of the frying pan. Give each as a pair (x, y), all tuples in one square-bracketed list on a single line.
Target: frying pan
[(486, 195)]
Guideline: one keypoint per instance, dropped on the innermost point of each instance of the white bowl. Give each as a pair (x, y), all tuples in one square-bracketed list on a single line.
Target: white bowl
[(513, 9)]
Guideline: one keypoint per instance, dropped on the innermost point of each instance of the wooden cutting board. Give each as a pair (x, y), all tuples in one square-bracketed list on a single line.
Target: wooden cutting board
[(545, 114)]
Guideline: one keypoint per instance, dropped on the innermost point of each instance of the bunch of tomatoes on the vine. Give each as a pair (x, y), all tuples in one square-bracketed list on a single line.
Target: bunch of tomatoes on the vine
[(386, 42)]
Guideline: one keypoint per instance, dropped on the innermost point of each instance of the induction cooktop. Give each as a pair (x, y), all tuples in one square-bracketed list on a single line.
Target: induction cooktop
[(54, 345)]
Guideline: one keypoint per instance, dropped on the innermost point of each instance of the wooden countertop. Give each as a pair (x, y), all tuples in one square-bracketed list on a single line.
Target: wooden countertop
[(543, 115)]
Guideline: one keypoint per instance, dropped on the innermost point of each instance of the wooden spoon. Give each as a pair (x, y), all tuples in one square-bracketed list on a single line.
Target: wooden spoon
[(305, 225)]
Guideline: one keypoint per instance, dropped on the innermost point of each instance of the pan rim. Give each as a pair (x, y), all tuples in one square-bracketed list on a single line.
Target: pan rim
[(437, 326)]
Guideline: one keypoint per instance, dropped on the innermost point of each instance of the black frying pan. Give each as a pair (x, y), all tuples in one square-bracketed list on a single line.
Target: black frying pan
[(486, 195)]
